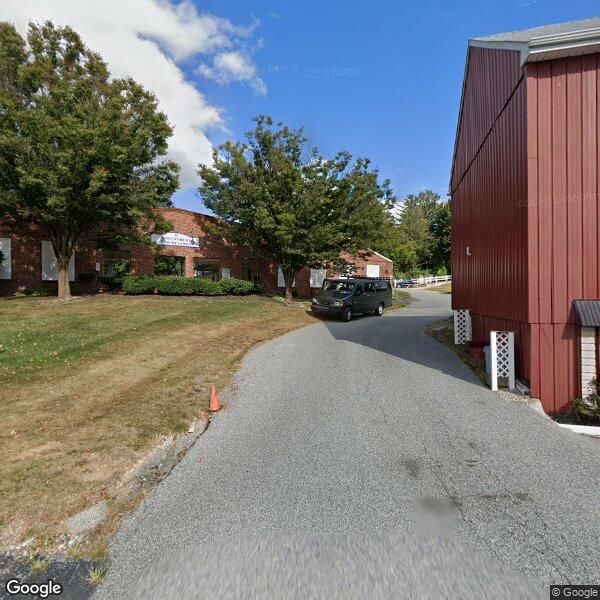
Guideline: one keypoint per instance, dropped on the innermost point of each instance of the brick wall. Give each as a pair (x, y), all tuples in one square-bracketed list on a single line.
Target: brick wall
[(27, 259), (26, 265)]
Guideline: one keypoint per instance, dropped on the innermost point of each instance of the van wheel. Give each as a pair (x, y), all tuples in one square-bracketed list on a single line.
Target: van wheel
[(379, 310), (347, 315)]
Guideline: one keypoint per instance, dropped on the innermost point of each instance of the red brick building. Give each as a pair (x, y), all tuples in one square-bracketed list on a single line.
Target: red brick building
[(190, 249)]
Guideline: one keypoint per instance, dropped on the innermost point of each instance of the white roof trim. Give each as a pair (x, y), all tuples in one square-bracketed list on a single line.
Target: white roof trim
[(547, 47)]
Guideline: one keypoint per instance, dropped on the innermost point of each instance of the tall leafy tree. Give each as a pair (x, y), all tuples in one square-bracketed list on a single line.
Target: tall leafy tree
[(421, 238), (79, 152), (292, 210), (441, 230)]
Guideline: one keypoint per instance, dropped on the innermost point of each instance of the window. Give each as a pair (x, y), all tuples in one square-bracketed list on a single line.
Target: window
[(253, 272), (169, 265), (281, 279), (6, 259), (207, 269), (50, 264), (383, 286), (317, 276), (369, 287), (372, 270), (337, 285), (358, 290), (115, 263)]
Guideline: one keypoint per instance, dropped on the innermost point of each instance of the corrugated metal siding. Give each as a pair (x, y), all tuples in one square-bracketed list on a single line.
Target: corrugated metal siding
[(489, 216), (562, 133), (491, 77)]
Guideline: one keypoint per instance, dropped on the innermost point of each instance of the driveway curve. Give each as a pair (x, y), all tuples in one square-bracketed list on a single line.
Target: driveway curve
[(363, 459)]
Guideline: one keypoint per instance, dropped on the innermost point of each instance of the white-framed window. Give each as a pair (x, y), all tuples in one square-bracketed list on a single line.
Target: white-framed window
[(225, 273), (5, 266), (372, 270), (281, 280), (50, 264), (317, 277)]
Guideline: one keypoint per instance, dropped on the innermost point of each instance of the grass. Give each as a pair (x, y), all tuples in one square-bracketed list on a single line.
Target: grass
[(400, 298), (444, 288), (38, 564), (90, 386), (96, 575)]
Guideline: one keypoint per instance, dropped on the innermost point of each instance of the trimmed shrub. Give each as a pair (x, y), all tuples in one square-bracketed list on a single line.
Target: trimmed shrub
[(144, 284), (238, 287), (172, 285)]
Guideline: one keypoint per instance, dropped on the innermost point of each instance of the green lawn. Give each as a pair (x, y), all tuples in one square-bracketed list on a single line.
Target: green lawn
[(41, 335), (400, 298), (444, 288), (88, 387)]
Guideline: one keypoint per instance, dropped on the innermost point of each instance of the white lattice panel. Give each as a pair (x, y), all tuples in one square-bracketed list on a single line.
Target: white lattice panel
[(502, 347), (462, 326)]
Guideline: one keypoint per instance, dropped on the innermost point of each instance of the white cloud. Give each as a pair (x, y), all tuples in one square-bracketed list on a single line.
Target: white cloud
[(149, 40), (233, 65)]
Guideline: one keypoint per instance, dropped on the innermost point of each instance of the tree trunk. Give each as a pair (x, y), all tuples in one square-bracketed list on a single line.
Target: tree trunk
[(288, 277), (64, 285)]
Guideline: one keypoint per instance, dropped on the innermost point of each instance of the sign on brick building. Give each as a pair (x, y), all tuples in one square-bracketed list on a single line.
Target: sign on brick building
[(175, 239)]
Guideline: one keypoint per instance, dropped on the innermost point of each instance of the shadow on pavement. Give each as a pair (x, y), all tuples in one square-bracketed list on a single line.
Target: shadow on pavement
[(403, 335)]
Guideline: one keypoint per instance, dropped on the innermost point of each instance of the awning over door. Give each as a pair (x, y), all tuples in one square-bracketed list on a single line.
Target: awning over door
[(588, 312)]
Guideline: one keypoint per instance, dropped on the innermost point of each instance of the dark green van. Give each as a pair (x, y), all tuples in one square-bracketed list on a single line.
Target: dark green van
[(347, 297)]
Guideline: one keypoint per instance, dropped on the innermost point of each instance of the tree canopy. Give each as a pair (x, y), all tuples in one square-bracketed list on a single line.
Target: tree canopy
[(420, 240), (293, 206), (79, 151)]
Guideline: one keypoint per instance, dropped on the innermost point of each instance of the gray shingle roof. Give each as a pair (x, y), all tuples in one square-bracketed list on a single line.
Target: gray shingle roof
[(526, 35)]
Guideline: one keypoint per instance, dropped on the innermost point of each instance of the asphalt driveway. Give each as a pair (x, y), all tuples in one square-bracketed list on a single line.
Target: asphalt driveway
[(363, 459)]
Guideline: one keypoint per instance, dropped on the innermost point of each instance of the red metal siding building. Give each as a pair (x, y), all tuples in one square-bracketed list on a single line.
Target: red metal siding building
[(524, 193)]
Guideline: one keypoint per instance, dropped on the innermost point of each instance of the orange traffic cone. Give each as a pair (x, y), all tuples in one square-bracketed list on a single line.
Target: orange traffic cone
[(215, 405)]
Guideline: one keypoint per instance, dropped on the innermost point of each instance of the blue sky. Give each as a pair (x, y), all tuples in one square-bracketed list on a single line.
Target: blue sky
[(378, 79)]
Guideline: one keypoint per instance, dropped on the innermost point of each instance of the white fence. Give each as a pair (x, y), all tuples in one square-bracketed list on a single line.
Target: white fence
[(422, 280)]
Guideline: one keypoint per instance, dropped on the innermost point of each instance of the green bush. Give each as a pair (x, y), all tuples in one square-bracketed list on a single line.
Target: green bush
[(172, 285), (145, 284), (238, 287), (589, 407)]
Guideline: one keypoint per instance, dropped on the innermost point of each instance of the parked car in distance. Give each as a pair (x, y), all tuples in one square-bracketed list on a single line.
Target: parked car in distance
[(345, 298), (405, 283)]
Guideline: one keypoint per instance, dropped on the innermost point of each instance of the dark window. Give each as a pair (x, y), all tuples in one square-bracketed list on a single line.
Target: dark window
[(208, 269), (359, 289), (369, 287), (253, 273), (383, 286), (115, 263), (169, 265), (336, 285)]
